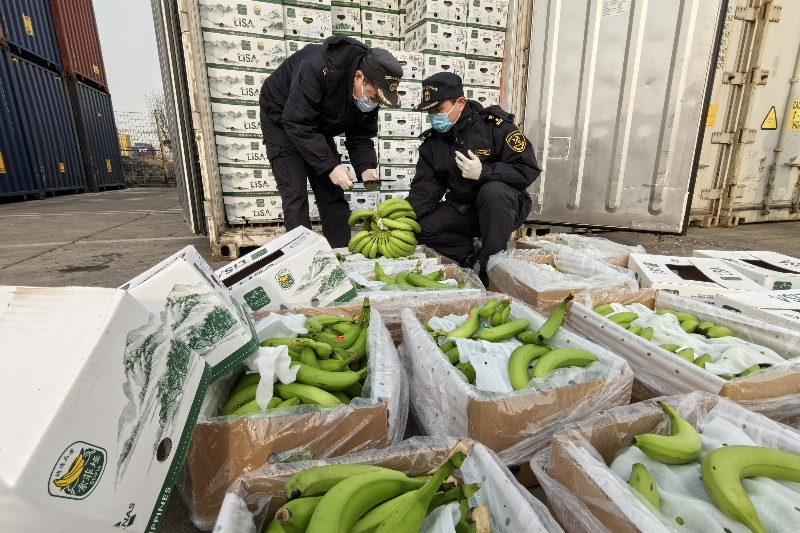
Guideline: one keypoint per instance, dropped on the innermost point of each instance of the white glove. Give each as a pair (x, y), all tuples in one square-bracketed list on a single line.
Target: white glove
[(370, 174), (341, 176), (471, 166)]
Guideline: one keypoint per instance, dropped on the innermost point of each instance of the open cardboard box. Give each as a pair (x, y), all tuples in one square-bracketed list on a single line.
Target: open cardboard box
[(619, 252), (255, 497), (774, 392), (583, 493), (771, 270), (514, 424), (505, 281), (423, 253), (224, 448), (781, 308)]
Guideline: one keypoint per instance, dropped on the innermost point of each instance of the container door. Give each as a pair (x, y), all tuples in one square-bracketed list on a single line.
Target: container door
[(616, 94), (179, 113)]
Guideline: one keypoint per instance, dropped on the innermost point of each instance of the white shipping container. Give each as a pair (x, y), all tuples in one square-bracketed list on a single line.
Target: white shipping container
[(345, 20), (491, 13), (243, 16), (241, 151), (306, 22), (239, 51), (251, 208), (444, 63), (486, 43), (399, 123), (393, 44), (399, 151), (412, 64), (482, 95), (452, 11), (235, 85), (252, 180), (380, 23), (236, 120), (432, 36), (410, 93), (483, 72)]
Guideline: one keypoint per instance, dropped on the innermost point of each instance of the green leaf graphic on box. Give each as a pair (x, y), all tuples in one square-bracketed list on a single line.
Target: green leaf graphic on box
[(729, 308), (782, 286), (196, 317), (323, 276), (257, 298), (671, 291)]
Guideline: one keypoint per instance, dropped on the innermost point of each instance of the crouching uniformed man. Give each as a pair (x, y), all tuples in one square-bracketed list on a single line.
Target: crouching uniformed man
[(324, 90), (483, 163)]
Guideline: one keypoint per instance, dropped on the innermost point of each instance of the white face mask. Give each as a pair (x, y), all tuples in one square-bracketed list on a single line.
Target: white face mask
[(363, 103)]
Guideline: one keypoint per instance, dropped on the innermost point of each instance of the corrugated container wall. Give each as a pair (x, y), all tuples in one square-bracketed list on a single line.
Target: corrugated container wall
[(27, 28), (17, 176), (78, 40), (47, 125), (97, 134)]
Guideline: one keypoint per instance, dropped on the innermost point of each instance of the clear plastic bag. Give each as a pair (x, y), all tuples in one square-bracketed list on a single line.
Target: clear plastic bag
[(515, 424), (595, 247), (771, 391), (223, 448), (587, 495), (254, 498), (427, 255), (379, 289)]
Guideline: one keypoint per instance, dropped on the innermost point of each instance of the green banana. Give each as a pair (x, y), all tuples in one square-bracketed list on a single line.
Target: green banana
[(504, 331), (702, 360), (347, 501), (341, 396), (357, 238), (497, 316), (647, 334), (344, 327), (562, 358), (489, 308), (346, 340), (468, 328), (416, 228), (378, 514), (355, 391), (359, 348), (469, 372), (395, 224), (689, 326), (320, 479), (360, 214), (452, 355), (554, 321), (241, 397), (686, 353), (291, 402), (246, 381), (329, 381), (703, 327), (317, 323), (635, 329), (505, 315), (403, 214), (680, 315), (295, 514), (309, 358), (421, 281), (529, 337), (642, 482), (681, 447), (436, 275), (671, 347), (407, 237), (274, 527), (283, 341), (380, 275), (723, 469), (624, 316), (519, 362), (393, 205), (748, 371), (253, 407), (447, 346), (308, 394), (334, 365), (604, 309), (719, 331)]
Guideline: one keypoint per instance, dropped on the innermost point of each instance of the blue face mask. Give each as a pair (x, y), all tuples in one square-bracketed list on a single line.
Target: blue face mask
[(364, 104), (441, 121)]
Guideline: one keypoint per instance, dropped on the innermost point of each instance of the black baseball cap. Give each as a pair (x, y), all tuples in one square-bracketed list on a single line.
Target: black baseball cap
[(384, 71), (438, 88)]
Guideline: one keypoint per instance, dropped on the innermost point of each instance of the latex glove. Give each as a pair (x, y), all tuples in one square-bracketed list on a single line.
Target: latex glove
[(471, 166), (370, 174), (341, 177)]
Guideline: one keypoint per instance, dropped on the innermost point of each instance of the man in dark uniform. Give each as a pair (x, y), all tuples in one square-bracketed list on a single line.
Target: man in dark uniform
[(324, 90), (482, 161)]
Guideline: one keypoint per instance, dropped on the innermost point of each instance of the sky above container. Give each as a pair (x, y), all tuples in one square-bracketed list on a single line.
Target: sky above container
[(129, 51)]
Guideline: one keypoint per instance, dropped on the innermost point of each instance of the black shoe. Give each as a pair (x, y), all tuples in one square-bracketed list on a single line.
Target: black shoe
[(470, 260)]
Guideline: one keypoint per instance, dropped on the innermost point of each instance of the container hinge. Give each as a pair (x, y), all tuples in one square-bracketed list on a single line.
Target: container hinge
[(746, 13), (710, 194), (772, 13), (734, 78), (747, 136), (722, 137), (759, 76)]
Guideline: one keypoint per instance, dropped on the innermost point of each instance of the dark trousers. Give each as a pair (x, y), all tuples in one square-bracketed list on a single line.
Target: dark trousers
[(451, 228), (291, 171)]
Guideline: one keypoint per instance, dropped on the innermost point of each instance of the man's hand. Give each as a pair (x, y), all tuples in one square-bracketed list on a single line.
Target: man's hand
[(370, 179), (340, 176), (471, 166)]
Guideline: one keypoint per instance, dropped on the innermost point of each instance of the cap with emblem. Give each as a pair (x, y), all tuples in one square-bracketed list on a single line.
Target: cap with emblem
[(384, 71), (439, 87)]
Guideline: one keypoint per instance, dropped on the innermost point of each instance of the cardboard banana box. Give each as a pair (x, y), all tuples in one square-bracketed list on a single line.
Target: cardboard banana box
[(224, 448), (774, 392), (603, 249), (583, 492), (514, 424), (253, 499)]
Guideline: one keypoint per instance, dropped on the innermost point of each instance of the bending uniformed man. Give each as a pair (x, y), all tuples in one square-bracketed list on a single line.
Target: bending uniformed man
[(482, 161), (324, 90)]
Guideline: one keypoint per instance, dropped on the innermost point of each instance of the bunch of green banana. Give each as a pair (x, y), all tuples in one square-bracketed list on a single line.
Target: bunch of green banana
[(414, 278), (682, 446), (388, 232), (353, 498)]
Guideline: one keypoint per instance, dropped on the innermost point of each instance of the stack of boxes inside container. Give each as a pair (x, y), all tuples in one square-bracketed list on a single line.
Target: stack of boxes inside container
[(57, 131), (246, 40)]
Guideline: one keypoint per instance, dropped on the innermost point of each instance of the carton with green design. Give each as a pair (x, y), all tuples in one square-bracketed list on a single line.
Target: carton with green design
[(100, 406), (298, 267), (771, 270), (184, 292)]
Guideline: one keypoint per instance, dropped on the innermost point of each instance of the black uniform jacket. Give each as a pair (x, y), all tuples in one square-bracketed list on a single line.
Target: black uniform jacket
[(492, 136), (309, 99)]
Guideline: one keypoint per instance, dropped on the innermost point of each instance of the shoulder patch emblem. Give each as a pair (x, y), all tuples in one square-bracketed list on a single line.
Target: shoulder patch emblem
[(491, 118), (517, 141)]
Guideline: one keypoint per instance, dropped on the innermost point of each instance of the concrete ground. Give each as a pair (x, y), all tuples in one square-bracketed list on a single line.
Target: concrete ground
[(105, 239)]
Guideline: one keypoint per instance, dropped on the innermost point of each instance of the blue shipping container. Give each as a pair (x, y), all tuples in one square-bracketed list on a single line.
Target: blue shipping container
[(47, 126), (97, 134), (17, 175), (27, 26)]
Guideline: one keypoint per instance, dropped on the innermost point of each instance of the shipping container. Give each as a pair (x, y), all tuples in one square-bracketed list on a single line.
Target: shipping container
[(17, 176), (97, 135), (78, 41), (27, 29), (47, 128), (750, 161)]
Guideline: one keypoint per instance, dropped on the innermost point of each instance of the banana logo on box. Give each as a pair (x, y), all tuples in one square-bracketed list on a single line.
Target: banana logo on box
[(77, 471), (285, 279)]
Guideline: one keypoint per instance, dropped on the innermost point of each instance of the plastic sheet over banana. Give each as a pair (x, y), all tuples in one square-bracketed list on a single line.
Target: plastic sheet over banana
[(655, 487), (258, 497), (666, 370), (595, 247), (382, 280), (224, 447), (514, 424)]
